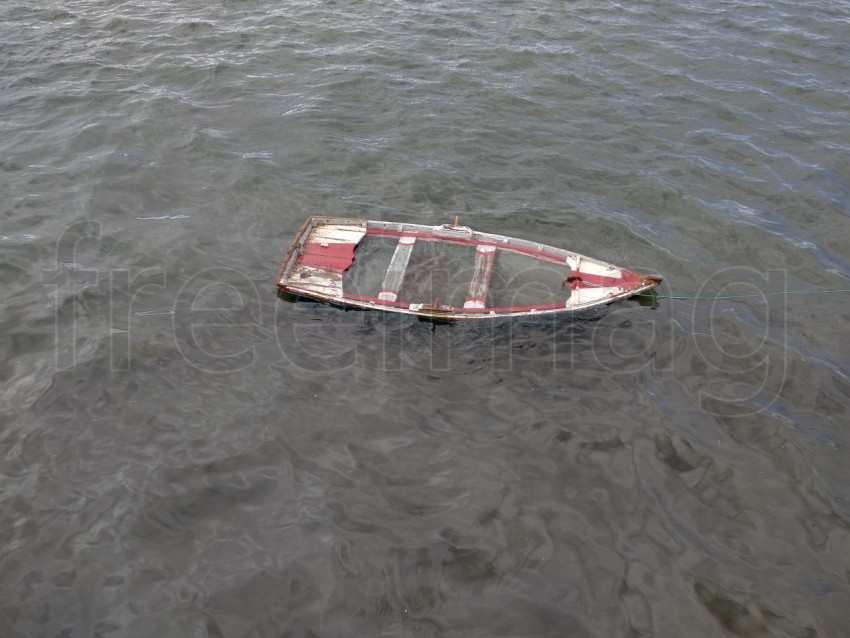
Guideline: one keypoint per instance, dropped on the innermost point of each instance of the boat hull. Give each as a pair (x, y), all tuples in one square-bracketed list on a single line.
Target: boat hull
[(446, 272)]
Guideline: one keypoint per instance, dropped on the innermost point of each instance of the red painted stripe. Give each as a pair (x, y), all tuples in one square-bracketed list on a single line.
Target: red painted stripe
[(583, 280), (334, 257)]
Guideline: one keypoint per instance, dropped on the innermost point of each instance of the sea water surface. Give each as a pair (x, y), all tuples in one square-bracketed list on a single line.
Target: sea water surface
[(184, 454)]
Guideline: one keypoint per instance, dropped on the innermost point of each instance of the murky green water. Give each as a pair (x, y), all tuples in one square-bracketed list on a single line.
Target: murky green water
[(184, 454)]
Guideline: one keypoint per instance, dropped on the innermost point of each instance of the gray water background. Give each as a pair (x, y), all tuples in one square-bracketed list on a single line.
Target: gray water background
[(184, 454)]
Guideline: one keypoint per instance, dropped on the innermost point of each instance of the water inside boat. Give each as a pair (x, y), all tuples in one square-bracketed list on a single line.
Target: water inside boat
[(439, 270)]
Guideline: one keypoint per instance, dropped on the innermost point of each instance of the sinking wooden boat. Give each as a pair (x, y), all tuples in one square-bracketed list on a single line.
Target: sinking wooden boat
[(446, 272)]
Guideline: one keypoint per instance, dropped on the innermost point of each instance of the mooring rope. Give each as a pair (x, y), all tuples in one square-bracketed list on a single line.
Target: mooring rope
[(751, 294)]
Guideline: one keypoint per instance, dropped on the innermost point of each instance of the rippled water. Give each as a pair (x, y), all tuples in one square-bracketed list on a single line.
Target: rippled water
[(185, 454)]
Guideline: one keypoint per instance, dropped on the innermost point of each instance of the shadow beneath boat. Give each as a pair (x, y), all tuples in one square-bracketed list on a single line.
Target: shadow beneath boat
[(647, 299)]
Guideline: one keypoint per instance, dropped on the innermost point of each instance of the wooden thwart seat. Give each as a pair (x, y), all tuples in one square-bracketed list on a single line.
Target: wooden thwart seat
[(479, 284), (395, 272)]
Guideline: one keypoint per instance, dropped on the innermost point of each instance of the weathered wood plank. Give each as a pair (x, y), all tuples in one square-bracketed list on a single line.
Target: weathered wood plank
[(337, 235), (331, 247), (308, 279), (588, 266), (395, 272), (482, 270), (582, 296)]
